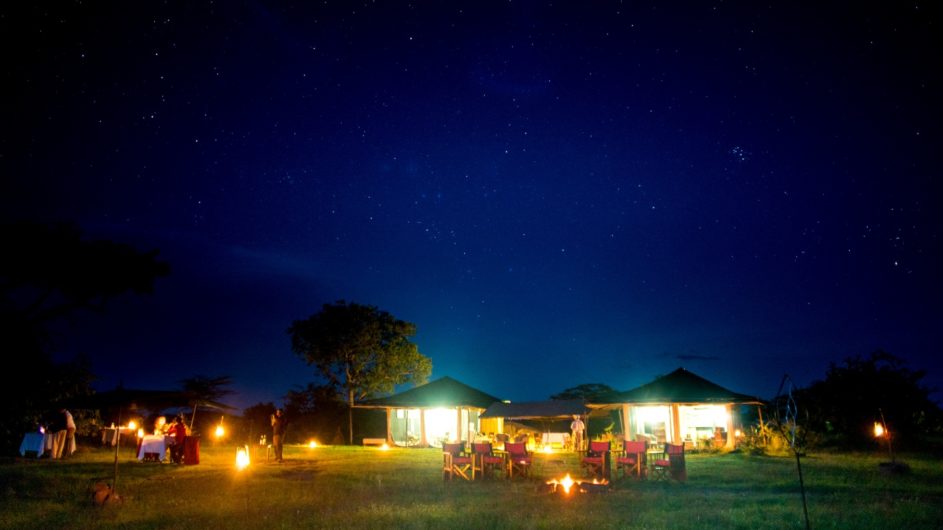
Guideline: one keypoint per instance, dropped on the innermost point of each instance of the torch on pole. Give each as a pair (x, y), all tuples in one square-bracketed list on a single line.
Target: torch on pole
[(881, 431)]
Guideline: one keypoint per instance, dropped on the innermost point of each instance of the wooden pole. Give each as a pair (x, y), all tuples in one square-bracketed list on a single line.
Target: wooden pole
[(423, 439), (676, 424)]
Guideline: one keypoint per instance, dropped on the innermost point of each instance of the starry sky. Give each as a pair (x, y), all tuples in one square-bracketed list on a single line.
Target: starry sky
[(554, 193)]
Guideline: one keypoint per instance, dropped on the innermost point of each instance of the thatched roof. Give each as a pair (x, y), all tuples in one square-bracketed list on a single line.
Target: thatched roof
[(443, 392), (553, 409), (680, 386)]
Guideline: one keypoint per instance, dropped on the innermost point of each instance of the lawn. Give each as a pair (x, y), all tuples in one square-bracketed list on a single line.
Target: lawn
[(354, 487)]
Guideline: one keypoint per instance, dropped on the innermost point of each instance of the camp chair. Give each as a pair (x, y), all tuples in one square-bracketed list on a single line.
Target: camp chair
[(518, 458), (595, 459), (485, 459), (632, 458), (672, 466), (455, 462)]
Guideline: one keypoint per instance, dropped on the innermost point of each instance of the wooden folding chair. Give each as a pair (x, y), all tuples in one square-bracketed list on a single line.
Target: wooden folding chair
[(596, 457), (485, 459), (632, 459), (455, 462), (518, 459), (672, 466)]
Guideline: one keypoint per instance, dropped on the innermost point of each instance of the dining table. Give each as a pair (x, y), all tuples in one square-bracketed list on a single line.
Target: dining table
[(561, 439), (154, 444), (110, 434), (35, 442)]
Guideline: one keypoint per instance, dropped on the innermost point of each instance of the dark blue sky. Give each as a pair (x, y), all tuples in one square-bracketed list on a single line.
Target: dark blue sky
[(555, 193)]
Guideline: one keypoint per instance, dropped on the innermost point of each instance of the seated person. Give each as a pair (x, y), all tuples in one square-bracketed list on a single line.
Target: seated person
[(160, 425), (178, 429)]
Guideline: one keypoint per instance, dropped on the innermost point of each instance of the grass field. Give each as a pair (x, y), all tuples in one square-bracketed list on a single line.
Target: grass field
[(354, 487)]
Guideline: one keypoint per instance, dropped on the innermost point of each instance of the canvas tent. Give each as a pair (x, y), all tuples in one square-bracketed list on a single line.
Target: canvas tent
[(679, 407), (442, 410), (537, 410)]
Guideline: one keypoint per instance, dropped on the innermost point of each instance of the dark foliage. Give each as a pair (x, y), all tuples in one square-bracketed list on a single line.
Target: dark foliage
[(843, 407), (315, 411), (49, 272), (586, 392)]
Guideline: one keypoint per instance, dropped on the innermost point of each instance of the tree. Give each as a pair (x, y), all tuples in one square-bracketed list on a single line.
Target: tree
[(315, 411), (203, 390), (257, 419), (586, 392), (360, 349), (49, 272), (844, 406)]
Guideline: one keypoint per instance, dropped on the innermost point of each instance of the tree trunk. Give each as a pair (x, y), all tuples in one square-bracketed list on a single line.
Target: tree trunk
[(350, 416)]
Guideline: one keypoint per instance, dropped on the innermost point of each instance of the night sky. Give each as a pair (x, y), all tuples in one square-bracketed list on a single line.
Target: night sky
[(554, 193)]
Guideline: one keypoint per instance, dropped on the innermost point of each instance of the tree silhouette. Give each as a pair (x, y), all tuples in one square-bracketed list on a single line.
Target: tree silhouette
[(844, 406), (586, 392), (205, 391), (360, 349), (49, 272)]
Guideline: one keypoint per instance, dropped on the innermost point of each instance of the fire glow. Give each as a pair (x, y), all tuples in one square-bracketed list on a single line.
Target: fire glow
[(566, 484), (242, 458)]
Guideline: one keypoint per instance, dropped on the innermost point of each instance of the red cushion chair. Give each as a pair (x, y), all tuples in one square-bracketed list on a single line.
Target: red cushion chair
[(672, 466), (485, 459), (595, 459), (632, 460), (456, 462), (518, 458)]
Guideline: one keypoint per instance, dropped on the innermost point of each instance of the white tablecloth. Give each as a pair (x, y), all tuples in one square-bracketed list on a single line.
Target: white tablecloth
[(555, 437), (33, 441), (110, 435), (154, 443)]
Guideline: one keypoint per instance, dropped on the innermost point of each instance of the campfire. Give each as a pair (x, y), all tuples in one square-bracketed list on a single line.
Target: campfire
[(567, 484)]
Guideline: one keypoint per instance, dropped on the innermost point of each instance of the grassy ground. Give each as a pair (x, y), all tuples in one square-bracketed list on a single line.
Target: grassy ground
[(353, 487)]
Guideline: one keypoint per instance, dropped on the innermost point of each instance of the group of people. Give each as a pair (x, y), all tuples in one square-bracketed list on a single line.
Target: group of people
[(177, 428)]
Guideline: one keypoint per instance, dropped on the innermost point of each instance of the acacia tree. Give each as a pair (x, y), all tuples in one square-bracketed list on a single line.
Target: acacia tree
[(586, 392), (360, 349), (203, 390)]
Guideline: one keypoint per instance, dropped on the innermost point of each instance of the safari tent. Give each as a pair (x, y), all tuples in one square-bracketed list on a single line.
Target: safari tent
[(679, 407), (430, 414)]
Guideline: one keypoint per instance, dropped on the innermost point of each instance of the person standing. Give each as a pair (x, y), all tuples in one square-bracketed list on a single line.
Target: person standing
[(54, 427), (69, 432), (577, 427), (278, 433)]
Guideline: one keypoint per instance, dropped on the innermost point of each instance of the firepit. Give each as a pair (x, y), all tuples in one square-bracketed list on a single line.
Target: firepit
[(566, 485)]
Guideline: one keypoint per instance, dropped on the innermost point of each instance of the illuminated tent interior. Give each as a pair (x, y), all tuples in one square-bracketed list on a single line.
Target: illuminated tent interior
[(678, 407), (543, 416), (428, 415)]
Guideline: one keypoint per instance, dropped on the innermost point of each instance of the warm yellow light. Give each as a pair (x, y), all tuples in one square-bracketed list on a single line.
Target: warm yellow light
[(132, 425), (140, 433), (547, 449), (242, 458), (878, 430), (312, 444), (567, 483), (738, 433), (384, 447), (220, 431)]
